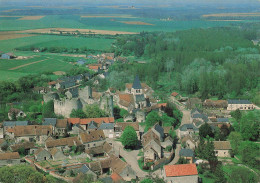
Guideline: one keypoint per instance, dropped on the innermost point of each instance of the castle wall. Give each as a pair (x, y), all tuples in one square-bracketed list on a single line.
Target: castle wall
[(65, 106)]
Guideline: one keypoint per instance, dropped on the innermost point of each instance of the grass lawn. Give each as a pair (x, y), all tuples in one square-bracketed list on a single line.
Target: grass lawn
[(51, 63)]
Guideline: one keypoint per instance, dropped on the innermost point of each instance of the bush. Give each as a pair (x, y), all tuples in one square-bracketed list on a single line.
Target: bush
[(168, 148)]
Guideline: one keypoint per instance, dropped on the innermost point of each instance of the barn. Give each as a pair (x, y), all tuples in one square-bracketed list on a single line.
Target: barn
[(7, 56)]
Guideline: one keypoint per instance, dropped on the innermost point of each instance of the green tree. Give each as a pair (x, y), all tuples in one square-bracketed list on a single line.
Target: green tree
[(235, 140), (36, 177), (249, 125), (205, 130), (77, 114), (48, 110), (219, 175), (93, 111), (236, 114), (241, 175), (147, 181), (182, 160), (129, 137), (249, 152), (152, 118)]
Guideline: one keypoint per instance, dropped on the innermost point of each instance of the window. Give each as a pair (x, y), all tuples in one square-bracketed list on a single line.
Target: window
[(94, 145)]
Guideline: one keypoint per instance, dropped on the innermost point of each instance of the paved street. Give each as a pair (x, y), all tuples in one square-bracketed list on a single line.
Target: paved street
[(130, 157)]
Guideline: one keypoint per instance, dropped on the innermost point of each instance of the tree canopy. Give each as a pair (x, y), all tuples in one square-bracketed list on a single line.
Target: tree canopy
[(129, 137)]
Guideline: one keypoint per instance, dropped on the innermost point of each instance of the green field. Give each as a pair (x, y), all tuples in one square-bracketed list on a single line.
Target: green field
[(56, 41), (52, 63), (76, 22)]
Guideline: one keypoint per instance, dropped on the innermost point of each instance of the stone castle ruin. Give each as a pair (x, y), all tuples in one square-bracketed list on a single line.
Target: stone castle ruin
[(78, 98)]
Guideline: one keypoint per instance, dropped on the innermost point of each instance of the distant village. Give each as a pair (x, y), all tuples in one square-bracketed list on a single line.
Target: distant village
[(66, 148)]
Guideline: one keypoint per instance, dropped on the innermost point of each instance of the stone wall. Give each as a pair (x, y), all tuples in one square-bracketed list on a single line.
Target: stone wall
[(64, 107)]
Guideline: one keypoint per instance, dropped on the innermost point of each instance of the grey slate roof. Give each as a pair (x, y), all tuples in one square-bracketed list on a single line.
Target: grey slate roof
[(139, 98), (84, 169), (137, 83), (104, 126), (185, 127), (196, 110), (159, 129), (222, 120), (50, 121), (15, 123), (239, 102), (202, 116), (67, 84), (106, 180), (92, 125), (186, 153)]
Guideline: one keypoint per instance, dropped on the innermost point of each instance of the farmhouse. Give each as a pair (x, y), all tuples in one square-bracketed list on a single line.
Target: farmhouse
[(152, 146), (7, 56), (92, 138), (222, 148), (42, 154), (9, 158), (29, 147), (64, 143), (31, 133), (120, 127), (216, 104), (187, 129), (239, 104), (180, 173)]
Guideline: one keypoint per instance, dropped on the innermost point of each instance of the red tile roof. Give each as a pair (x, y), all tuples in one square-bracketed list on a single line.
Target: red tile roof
[(93, 67), (180, 170), (116, 178), (88, 120), (174, 94)]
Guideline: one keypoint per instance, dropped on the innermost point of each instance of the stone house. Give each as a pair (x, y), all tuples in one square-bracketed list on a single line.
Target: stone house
[(85, 123), (168, 141), (158, 129), (76, 129), (215, 104), (63, 144), (187, 129), (61, 127), (72, 93), (222, 148), (100, 151), (151, 146), (42, 154), (50, 121), (188, 142), (57, 154), (187, 154), (92, 138), (180, 173), (31, 133), (17, 112), (120, 127), (80, 169), (9, 158), (122, 168), (108, 129), (11, 124), (239, 104), (29, 147)]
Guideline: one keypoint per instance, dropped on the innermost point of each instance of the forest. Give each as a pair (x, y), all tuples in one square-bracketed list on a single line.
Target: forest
[(214, 62)]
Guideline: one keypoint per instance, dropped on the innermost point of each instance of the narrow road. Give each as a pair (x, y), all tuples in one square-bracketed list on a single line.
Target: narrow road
[(130, 157)]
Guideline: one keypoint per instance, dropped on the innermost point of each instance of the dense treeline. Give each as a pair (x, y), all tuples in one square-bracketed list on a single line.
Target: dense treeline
[(56, 49), (220, 62)]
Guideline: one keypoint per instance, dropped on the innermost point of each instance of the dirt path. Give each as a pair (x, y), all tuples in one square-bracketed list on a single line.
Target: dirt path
[(14, 68)]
